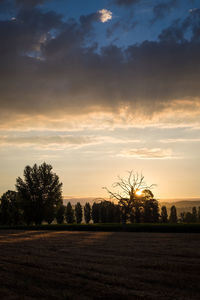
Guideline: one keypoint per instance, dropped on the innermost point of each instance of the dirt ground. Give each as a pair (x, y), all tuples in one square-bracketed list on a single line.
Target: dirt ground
[(101, 265)]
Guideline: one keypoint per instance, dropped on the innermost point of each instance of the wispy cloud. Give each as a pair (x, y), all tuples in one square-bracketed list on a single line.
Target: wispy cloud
[(177, 140), (162, 9), (67, 141), (147, 153), (63, 141)]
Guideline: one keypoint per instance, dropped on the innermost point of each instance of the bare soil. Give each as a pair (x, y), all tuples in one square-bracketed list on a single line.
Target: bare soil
[(99, 265)]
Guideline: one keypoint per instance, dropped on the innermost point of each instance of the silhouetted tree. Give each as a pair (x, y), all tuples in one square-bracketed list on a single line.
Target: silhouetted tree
[(182, 217), (78, 213), (107, 212), (87, 212), (132, 217), (110, 212), (10, 208), (189, 218), (132, 195), (151, 211), (40, 193), (95, 212), (164, 215), (155, 211), (50, 213), (60, 214), (173, 215), (194, 214), (5, 210), (117, 214), (137, 214), (147, 212), (103, 212), (198, 215), (69, 213)]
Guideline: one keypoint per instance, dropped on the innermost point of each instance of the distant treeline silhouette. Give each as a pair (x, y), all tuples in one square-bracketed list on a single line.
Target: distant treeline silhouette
[(38, 199)]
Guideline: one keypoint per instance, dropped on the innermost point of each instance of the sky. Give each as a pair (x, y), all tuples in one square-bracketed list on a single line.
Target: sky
[(99, 88)]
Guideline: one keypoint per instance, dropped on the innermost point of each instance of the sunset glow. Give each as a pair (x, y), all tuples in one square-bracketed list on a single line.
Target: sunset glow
[(139, 192)]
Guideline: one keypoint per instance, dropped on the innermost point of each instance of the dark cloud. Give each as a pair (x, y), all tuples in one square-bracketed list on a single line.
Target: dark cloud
[(30, 3), (123, 24), (175, 33), (193, 23), (11, 5), (26, 32), (48, 69), (161, 9), (126, 2), (6, 6), (87, 20), (178, 30)]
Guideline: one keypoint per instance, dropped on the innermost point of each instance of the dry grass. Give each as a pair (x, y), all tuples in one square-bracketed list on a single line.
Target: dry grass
[(101, 265)]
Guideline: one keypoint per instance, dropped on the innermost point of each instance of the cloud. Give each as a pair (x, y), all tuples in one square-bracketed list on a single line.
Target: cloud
[(126, 2), (105, 15), (161, 9), (62, 140), (30, 3), (178, 140), (44, 141), (193, 10), (50, 73), (145, 153), (87, 21), (121, 25)]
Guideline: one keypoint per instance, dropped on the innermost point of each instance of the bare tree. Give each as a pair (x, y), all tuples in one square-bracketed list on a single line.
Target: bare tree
[(132, 193)]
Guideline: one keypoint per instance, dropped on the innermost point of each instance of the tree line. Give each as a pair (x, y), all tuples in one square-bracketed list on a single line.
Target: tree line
[(12, 213), (38, 199)]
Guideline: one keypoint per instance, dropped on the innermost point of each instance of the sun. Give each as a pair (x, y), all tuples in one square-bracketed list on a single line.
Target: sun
[(139, 192)]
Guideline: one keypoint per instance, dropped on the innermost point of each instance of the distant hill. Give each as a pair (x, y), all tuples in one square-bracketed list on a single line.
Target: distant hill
[(82, 200), (181, 204)]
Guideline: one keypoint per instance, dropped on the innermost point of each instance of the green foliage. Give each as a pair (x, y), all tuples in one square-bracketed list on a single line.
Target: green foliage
[(87, 212), (164, 215), (78, 213), (40, 193), (60, 214), (173, 215), (69, 214)]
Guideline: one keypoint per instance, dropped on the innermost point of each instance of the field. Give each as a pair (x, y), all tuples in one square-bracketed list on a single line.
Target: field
[(99, 265)]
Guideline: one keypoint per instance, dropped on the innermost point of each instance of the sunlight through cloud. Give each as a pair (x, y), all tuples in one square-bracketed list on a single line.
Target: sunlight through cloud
[(105, 15)]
